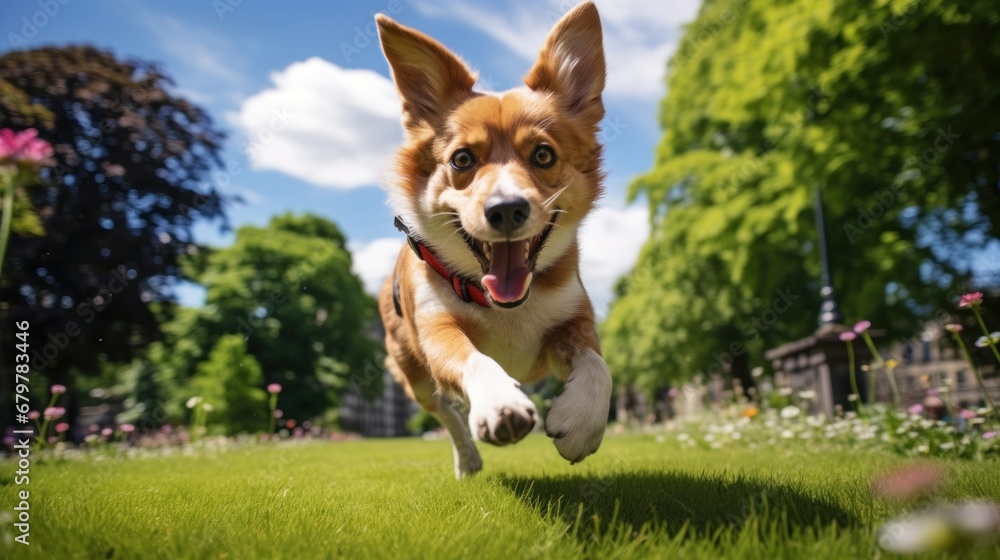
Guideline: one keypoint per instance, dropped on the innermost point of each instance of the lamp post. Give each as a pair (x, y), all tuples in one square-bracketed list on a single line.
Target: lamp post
[(819, 362), (829, 311)]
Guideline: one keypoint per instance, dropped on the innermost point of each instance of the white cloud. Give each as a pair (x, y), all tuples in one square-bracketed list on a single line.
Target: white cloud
[(639, 35), (610, 240), (375, 260), (327, 125)]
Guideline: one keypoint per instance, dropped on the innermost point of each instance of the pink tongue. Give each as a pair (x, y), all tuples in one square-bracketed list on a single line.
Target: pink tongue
[(509, 276)]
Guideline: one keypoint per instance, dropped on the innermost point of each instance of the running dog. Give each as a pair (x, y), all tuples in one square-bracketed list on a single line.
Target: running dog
[(490, 190)]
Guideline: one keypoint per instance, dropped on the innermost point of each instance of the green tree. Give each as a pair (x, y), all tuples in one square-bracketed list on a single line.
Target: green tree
[(890, 107), (230, 380), (142, 385), (288, 290)]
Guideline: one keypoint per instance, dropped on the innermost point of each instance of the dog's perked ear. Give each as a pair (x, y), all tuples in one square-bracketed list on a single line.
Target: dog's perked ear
[(430, 78), (571, 64)]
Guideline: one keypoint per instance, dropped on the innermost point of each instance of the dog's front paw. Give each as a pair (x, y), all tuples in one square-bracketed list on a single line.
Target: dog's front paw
[(576, 429), (502, 416), (577, 419)]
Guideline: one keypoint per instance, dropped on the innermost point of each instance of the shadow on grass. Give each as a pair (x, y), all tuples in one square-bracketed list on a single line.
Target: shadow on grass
[(672, 503)]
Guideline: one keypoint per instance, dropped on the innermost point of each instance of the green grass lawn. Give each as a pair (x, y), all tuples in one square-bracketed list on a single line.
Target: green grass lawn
[(637, 498)]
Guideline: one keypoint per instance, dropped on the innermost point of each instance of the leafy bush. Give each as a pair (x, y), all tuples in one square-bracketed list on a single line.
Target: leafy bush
[(230, 381)]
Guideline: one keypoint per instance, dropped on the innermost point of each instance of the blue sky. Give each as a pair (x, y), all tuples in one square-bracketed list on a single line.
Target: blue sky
[(304, 94)]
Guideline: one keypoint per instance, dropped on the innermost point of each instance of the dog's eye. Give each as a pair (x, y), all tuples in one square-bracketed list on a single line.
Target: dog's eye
[(543, 157), (463, 159)]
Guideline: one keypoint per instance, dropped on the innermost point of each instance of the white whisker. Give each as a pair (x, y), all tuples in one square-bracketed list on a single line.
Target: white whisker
[(551, 200)]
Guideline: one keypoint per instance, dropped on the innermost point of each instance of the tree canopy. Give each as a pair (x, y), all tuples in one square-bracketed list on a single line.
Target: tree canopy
[(131, 177), (890, 108)]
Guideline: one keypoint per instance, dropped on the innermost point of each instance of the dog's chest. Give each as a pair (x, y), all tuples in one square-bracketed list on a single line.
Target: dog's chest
[(515, 345), (516, 338)]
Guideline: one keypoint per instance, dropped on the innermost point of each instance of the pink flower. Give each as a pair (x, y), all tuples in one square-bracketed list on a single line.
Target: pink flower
[(862, 326), (58, 389), (23, 147), (916, 409), (908, 482), (971, 300), (107, 432), (989, 435), (34, 415), (166, 428), (274, 388), (953, 328), (53, 412), (672, 392), (62, 427), (967, 414), (127, 428), (848, 336), (278, 413)]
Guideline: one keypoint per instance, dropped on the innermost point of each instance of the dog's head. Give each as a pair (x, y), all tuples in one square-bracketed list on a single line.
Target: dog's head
[(498, 183)]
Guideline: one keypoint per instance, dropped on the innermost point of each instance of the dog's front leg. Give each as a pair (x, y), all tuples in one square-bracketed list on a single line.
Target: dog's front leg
[(499, 412), (579, 416)]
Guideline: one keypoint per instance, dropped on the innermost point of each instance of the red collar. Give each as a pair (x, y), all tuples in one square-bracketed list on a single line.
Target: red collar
[(467, 290)]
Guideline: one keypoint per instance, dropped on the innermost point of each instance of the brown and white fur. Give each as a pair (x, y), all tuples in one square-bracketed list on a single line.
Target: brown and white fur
[(443, 347)]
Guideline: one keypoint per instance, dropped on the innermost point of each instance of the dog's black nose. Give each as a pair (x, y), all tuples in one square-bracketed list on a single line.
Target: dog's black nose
[(508, 213)]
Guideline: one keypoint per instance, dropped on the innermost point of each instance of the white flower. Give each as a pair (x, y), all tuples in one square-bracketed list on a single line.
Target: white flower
[(787, 434), (947, 445), (683, 437), (923, 449), (790, 412), (207, 407), (193, 402), (757, 371), (807, 395), (785, 391)]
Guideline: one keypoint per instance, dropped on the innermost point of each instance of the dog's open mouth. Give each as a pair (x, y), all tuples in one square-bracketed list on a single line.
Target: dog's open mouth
[(508, 266)]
